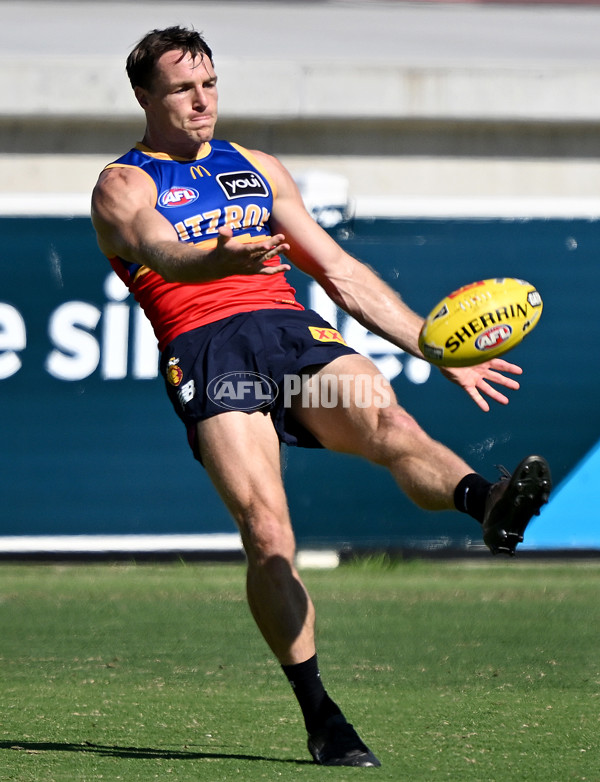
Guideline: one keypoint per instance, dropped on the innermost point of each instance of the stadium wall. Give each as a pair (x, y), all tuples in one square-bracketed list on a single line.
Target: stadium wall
[(403, 99), (92, 456), (464, 140)]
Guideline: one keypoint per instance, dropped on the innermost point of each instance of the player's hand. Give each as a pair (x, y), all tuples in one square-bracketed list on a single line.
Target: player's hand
[(476, 380), (235, 257)]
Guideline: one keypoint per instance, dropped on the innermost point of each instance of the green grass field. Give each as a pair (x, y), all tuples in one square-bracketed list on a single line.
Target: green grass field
[(487, 670)]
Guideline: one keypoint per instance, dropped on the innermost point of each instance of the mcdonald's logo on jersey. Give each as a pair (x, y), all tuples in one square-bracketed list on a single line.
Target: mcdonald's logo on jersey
[(198, 172)]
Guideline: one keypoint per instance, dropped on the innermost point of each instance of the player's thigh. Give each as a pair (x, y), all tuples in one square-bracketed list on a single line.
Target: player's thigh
[(348, 404), (241, 454)]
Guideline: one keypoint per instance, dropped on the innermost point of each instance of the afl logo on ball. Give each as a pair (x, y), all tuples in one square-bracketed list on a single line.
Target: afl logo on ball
[(493, 337), (177, 196)]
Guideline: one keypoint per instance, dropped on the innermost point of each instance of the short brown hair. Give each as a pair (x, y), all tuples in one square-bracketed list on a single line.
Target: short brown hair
[(142, 60)]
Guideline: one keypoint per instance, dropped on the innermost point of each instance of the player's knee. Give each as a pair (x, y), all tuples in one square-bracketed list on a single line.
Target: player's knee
[(397, 433), (267, 538)]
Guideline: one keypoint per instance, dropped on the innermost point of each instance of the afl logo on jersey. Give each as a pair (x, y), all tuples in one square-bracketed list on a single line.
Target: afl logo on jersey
[(177, 196)]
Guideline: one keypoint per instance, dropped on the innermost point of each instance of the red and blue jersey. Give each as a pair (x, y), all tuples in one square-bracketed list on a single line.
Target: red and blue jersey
[(224, 186)]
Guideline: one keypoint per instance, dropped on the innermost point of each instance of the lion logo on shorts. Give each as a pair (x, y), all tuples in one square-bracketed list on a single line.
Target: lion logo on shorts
[(174, 372)]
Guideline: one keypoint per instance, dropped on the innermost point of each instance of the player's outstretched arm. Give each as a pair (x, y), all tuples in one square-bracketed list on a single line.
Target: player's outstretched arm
[(128, 225), (351, 284), (355, 288)]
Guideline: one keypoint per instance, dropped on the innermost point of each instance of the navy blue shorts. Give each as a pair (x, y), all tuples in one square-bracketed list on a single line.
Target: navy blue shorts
[(246, 362)]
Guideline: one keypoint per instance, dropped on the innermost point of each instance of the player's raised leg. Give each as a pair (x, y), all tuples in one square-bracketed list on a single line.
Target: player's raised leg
[(430, 474), (382, 431)]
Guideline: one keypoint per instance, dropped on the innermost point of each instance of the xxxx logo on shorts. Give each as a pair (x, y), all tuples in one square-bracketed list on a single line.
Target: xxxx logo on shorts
[(174, 372), (326, 335)]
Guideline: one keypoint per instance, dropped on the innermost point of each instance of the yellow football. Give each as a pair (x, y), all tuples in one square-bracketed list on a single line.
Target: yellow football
[(480, 321)]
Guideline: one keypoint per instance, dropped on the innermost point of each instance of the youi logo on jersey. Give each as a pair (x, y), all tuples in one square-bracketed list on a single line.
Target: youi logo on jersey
[(241, 184), (177, 196)]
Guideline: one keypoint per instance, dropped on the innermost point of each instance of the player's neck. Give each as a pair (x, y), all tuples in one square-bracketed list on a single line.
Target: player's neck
[(187, 150)]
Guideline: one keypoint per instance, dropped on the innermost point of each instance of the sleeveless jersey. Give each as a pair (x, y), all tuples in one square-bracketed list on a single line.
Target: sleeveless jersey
[(225, 186)]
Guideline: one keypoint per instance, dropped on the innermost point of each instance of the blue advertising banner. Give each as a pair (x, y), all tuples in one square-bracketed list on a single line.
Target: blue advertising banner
[(91, 447)]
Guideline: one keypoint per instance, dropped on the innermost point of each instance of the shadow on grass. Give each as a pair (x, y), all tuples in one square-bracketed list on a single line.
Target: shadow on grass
[(137, 752)]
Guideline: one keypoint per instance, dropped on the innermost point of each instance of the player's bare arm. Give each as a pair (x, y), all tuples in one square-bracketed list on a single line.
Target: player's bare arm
[(358, 290), (129, 226), (352, 285)]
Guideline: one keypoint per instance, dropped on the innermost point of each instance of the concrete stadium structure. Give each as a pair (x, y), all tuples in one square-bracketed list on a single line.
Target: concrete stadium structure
[(412, 108)]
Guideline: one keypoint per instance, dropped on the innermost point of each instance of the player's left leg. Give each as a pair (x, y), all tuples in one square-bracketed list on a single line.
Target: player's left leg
[(430, 474), (368, 421)]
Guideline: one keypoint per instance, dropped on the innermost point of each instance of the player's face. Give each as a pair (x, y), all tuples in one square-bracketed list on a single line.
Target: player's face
[(181, 106)]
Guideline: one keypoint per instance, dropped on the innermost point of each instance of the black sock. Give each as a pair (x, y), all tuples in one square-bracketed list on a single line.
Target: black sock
[(308, 688), (470, 495)]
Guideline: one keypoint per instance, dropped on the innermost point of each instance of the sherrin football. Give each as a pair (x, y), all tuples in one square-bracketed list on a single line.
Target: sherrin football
[(480, 321)]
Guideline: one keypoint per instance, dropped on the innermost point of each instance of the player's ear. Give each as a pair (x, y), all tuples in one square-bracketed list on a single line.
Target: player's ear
[(141, 95)]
